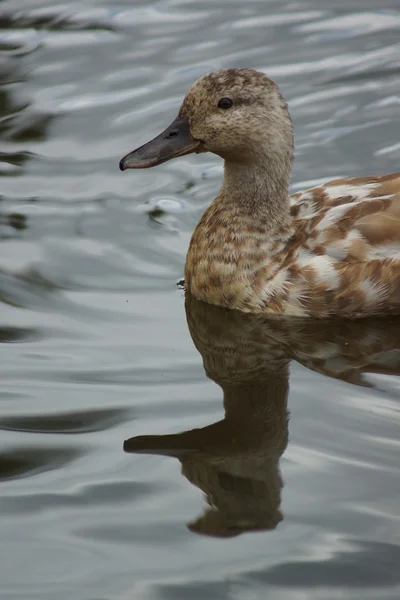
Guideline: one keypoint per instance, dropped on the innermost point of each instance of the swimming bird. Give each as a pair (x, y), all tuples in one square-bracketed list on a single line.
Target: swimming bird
[(333, 250)]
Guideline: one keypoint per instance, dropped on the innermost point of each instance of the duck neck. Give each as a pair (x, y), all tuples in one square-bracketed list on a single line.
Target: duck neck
[(257, 192)]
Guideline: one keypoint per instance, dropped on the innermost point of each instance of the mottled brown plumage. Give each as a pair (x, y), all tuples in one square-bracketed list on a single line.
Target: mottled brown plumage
[(331, 250)]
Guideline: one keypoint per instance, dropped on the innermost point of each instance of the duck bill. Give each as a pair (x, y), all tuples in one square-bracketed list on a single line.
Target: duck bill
[(175, 141)]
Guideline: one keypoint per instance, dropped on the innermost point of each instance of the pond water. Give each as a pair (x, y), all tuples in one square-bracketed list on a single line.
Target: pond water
[(156, 448)]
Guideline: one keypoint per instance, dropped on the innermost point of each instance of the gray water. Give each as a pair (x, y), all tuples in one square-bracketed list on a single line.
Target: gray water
[(295, 492)]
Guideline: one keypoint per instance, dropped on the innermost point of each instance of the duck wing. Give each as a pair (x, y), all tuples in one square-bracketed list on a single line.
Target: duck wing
[(347, 260), (355, 219)]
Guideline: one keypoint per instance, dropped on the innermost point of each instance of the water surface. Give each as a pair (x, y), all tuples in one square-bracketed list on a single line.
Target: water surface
[(285, 482)]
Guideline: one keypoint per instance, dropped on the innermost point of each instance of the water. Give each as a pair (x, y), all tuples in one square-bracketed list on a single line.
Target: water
[(302, 482)]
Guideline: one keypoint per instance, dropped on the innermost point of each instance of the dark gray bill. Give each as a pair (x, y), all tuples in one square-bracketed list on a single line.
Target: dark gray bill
[(175, 141)]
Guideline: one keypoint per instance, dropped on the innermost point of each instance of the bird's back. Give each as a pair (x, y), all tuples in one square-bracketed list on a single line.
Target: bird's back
[(345, 257)]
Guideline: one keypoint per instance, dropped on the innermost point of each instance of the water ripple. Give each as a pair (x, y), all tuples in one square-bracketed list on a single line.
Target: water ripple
[(93, 340)]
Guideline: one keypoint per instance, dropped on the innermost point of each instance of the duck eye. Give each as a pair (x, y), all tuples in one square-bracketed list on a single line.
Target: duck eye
[(225, 103)]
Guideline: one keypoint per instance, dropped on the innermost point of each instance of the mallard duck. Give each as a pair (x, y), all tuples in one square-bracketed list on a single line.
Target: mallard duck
[(333, 250)]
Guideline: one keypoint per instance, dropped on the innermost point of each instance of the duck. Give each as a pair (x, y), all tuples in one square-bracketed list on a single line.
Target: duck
[(330, 251)]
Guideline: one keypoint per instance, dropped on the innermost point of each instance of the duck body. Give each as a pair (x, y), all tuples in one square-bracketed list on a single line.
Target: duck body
[(333, 250), (339, 255)]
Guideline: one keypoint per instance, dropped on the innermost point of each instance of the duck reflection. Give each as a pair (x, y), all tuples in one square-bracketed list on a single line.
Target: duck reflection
[(235, 461)]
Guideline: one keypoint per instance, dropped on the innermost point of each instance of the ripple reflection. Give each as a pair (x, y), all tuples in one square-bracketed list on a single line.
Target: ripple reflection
[(235, 462)]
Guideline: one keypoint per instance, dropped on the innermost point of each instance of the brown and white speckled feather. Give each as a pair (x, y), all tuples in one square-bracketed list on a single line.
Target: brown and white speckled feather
[(339, 256), (347, 259)]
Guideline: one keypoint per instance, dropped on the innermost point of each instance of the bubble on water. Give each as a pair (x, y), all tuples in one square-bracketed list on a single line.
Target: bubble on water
[(165, 204)]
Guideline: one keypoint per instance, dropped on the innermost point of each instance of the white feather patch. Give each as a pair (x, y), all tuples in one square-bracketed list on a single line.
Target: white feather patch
[(304, 257), (337, 250), (375, 292), (323, 266), (325, 271), (359, 192), (353, 236)]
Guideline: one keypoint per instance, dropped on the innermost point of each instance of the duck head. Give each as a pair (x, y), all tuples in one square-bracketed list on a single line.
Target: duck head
[(238, 114)]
